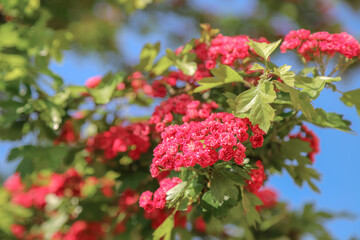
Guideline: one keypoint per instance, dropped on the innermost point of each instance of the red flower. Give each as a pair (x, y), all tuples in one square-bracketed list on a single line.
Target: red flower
[(93, 82), (13, 183), (200, 224), (257, 178), (268, 196), (18, 231)]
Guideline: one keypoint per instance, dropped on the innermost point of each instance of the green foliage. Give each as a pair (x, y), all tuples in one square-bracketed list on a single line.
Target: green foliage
[(299, 100), (104, 93), (351, 98), (295, 149), (184, 61), (264, 49), (165, 229), (312, 86), (35, 158), (285, 74), (255, 104), (10, 212), (330, 120), (147, 56), (223, 187), (222, 75), (249, 201)]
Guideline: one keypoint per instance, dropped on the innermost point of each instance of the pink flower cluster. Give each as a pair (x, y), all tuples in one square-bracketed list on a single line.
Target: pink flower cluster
[(268, 196), (32, 197), (305, 134), (68, 184), (173, 76), (218, 137), (320, 43), (227, 49), (133, 139), (184, 105), (257, 177), (157, 200)]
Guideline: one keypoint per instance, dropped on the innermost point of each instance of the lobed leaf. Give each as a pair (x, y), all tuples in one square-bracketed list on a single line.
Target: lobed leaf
[(165, 229), (223, 74), (351, 98), (264, 49), (255, 103)]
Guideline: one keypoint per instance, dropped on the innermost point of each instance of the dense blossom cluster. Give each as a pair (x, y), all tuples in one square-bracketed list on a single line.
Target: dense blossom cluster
[(305, 134), (317, 44), (257, 177), (67, 185), (227, 49), (268, 196), (132, 139), (152, 201), (184, 105), (198, 142)]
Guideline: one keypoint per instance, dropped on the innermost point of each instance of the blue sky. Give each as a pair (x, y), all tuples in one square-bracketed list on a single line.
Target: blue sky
[(339, 160)]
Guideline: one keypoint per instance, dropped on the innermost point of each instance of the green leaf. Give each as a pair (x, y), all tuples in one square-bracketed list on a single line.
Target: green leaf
[(255, 103), (300, 101), (352, 98), (302, 173), (175, 193), (231, 99), (38, 157), (294, 149), (314, 85), (331, 120), (249, 202), (223, 74), (165, 229), (307, 70), (256, 67), (162, 65), (264, 49), (226, 74), (102, 94), (188, 68), (221, 186), (285, 74), (208, 201), (184, 62), (147, 56)]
